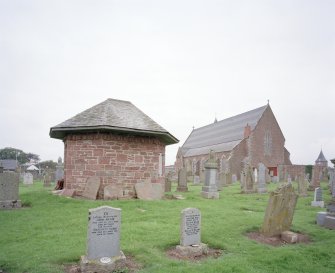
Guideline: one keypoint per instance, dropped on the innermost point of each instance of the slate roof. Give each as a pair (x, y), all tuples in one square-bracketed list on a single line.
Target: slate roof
[(221, 136), (112, 116), (9, 164), (321, 158)]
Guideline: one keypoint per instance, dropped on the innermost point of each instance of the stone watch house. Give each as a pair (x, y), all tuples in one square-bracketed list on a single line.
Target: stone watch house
[(254, 134), (114, 141)]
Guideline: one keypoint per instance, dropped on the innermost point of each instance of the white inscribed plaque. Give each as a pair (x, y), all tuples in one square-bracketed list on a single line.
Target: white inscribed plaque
[(103, 235), (190, 227)]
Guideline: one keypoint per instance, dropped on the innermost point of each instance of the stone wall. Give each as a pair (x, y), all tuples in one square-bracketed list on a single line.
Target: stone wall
[(292, 170), (116, 159)]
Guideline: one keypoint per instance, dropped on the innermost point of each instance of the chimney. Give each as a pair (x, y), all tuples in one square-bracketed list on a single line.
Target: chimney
[(247, 131)]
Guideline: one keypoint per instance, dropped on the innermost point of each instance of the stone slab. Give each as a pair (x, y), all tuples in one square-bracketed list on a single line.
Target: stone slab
[(320, 204), (289, 237), (149, 191), (103, 265), (192, 251), (329, 222), (92, 188), (113, 192), (210, 195), (320, 218), (28, 179), (68, 192)]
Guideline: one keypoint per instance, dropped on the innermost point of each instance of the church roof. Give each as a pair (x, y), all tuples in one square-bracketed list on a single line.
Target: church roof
[(321, 158), (222, 135), (112, 116)]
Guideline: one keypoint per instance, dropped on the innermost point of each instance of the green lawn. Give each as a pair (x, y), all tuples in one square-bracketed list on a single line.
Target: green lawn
[(51, 231)]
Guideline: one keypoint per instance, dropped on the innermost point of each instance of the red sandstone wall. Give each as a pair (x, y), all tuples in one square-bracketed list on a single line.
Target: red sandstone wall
[(267, 123), (116, 159)]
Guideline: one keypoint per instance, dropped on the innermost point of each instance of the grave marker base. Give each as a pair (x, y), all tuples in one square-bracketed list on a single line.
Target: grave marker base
[(192, 251), (91, 266), (320, 204), (10, 204)]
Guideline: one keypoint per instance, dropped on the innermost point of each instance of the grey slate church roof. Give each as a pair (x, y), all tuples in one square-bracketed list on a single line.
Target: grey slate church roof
[(221, 136), (9, 164), (112, 116)]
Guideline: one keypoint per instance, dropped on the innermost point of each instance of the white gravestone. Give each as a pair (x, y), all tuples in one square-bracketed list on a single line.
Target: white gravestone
[(28, 179), (190, 227), (318, 202)]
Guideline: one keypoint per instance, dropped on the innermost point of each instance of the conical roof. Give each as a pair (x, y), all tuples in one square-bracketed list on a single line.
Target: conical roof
[(321, 158), (112, 116)]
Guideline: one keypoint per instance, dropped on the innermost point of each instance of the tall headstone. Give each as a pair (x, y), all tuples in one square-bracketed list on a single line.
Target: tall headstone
[(302, 185), (229, 180), (47, 179), (318, 201), (261, 178), (182, 180), (209, 190), (9, 190), (103, 241), (289, 179), (280, 210), (167, 185), (247, 183), (59, 170), (92, 188), (196, 180), (28, 179), (315, 183), (222, 181), (234, 178)]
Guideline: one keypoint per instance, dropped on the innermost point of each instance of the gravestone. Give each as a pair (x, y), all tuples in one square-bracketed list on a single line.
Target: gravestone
[(196, 180), (289, 179), (222, 181), (228, 178), (167, 185), (202, 176), (103, 241), (315, 183), (190, 234), (234, 178), (68, 192), (114, 191), (149, 191), (9, 190), (209, 190), (59, 170), (28, 179), (182, 180), (247, 183), (47, 179), (279, 212), (302, 185), (92, 188), (261, 178), (318, 201)]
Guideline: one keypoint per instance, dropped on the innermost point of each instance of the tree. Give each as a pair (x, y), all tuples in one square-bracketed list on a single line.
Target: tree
[(19, 155), (48, 163)]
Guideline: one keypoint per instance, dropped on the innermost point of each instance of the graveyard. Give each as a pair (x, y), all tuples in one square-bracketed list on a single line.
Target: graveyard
[(49, 232)]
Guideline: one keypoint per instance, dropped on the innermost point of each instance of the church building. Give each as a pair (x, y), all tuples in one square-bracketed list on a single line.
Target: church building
[(255, 135)]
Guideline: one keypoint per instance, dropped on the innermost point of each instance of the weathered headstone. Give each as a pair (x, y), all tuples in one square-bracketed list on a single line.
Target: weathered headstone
[(209, 190), (190, 234), (289, 179), (47, 180), (28, 179), (229, 178), (318, 201), (315, 183), (182, 180), (9, 190), (222, 181), (302, 185), (68, 192), (59, 170), (103, 241), (167, 185), (114, 191), (280, 210), (92, 188), (261, 178), (149, 191), (196, 180), (234, 178), (247, 182)]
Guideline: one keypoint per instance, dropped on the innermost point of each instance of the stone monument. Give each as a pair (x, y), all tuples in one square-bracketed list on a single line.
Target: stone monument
[(280, 210), (182, 180), (247, 181), (28, 179), (261, 185), (302, 185), (9, 190), (92, 188), (190, 234), (318, 201), (209, 190), (103, 241), (59, 170)]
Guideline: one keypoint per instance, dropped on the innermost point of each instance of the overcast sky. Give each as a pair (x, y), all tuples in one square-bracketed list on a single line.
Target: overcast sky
[(183, 63)]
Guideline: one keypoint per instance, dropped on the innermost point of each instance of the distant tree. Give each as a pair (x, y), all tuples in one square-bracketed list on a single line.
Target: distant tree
[(19, 155), (48, 163), (309, 169)]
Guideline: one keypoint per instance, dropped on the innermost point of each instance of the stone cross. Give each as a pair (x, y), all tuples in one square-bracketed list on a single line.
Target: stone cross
[(209, 190), (190, 227), (261, 178), (9, 190), (279, 212), (182, 180)]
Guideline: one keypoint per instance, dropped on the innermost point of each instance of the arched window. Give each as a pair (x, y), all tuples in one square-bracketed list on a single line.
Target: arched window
[(267, 143)]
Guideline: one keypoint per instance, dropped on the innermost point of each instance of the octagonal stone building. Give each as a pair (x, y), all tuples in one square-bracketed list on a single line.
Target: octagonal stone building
[(116, 142)]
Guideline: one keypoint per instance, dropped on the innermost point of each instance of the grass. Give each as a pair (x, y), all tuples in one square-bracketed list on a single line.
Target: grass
[(51, 231)]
